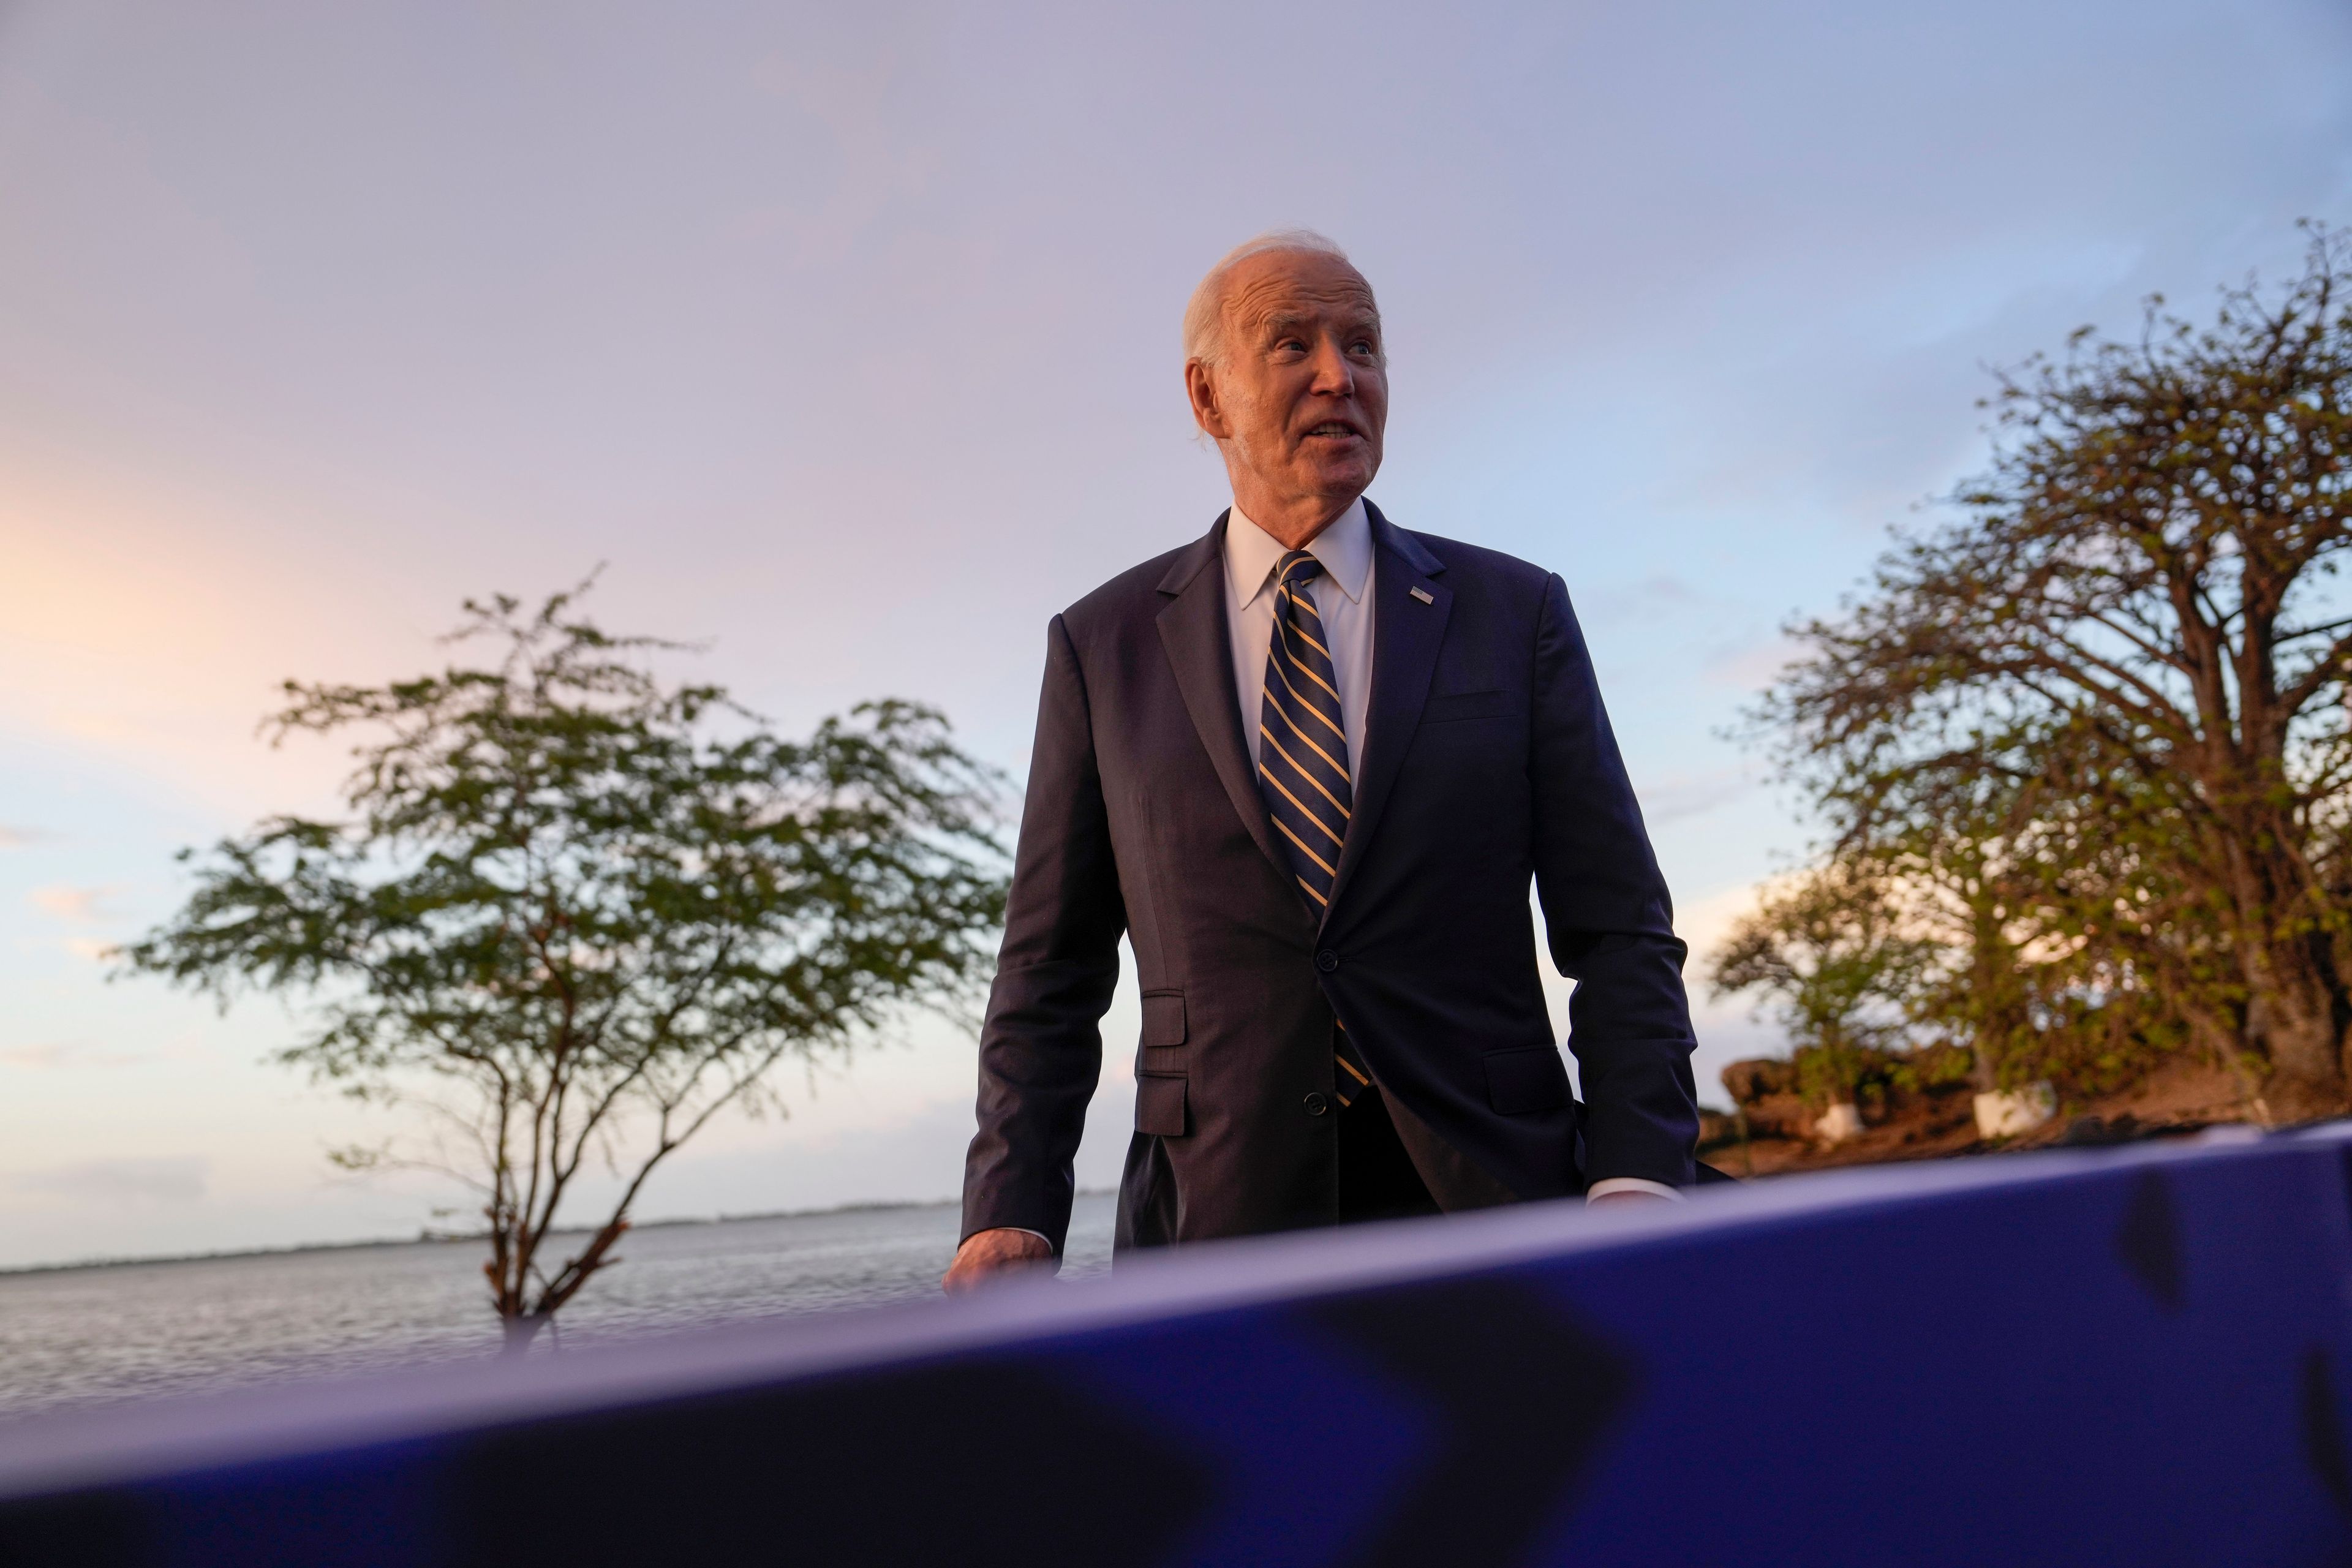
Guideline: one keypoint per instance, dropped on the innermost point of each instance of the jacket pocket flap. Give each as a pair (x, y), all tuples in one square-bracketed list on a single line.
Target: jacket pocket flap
[(1521, 1082), (1159, 1105), (1469, 705), (1163, 1017)]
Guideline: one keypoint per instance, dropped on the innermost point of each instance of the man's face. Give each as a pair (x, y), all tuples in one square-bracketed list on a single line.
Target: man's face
[(1300, 395)]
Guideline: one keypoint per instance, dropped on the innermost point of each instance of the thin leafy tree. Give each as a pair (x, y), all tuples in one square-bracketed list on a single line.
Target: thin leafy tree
[(1958, 853), (574, 911), (1829, 950)]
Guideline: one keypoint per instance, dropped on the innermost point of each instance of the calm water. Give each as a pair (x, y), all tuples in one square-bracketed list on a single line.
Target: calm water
[(80, 1336)]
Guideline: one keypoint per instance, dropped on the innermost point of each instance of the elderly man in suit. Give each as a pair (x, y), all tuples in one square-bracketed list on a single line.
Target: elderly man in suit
[(1310, 763)]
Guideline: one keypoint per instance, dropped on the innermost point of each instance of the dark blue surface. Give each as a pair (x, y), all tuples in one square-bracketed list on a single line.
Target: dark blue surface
[(2133, 1358)]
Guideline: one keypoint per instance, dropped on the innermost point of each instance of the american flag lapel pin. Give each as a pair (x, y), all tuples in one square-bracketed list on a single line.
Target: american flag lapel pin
[(1422, 593)]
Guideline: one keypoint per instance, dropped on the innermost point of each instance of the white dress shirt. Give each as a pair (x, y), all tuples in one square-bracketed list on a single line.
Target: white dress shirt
[(1343, 599)]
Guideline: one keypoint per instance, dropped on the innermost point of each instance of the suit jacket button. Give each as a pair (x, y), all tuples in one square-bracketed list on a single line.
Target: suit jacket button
[(1327, 961), (1316, 1105)]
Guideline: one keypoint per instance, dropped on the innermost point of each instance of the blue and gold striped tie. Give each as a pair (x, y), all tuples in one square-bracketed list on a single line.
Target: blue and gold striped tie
[(1302, 767)]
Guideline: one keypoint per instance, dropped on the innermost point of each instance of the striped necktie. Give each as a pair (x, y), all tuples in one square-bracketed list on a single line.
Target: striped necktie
[(1302, 768)]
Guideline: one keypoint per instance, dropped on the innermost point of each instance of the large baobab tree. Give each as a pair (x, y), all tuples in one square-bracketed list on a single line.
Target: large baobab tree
[(2140, 615)]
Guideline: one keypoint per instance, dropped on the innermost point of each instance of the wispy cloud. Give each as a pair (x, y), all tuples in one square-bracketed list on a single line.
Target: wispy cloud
[(1753, 665), (1705, 921), (50, 1055), (1681, 795), (19, 837), (1665, 587), (79, 905), (1659, 594), (167, 1179)]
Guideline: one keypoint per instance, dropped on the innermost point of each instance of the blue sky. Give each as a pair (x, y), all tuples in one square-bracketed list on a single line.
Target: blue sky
[(847, 337)]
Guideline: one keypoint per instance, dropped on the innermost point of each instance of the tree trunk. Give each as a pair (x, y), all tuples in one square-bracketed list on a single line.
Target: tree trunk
[(521, 1330), (2292, 1017), (2291, 997), (1990, 983)]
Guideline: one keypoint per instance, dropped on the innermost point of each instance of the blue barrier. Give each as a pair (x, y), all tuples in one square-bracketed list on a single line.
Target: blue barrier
[(2137, 1356)]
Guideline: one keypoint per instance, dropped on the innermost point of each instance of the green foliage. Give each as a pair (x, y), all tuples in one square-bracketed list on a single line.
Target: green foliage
[(2094, 731), (1827, 947), (598, 906)]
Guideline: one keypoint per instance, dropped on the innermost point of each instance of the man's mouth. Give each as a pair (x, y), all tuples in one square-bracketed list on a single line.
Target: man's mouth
[(1331, 428)]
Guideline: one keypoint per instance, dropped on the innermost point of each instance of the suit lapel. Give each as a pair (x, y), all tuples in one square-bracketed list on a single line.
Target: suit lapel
[(1200, 650), (1407, 632)]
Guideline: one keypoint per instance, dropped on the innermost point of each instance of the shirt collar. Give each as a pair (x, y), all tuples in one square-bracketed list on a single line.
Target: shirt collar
[(1345, 549)]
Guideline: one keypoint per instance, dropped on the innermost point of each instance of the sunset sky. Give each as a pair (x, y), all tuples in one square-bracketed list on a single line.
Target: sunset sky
[(846, 336)]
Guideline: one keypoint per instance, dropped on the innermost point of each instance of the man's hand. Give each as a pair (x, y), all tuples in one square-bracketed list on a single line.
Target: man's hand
[(986, 1254)]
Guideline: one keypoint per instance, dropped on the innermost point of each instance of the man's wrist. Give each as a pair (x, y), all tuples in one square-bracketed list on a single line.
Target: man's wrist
[(1018, 1238), (996, 1251)]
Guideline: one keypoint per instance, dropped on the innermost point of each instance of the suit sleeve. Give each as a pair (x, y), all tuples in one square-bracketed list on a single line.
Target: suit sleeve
[(1609, 923), (1040, 1045)]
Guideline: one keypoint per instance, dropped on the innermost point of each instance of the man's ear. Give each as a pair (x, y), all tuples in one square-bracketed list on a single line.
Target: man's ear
[(1208, 413)]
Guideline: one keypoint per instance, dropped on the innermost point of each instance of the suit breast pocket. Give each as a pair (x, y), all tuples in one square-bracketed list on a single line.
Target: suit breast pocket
[(1447, 708)]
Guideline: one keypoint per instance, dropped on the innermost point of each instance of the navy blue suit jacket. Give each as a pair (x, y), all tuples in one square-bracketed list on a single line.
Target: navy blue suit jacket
[(1488, 763)]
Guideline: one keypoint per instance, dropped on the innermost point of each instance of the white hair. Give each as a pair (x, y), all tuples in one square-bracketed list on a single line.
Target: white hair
[(1205, 313)]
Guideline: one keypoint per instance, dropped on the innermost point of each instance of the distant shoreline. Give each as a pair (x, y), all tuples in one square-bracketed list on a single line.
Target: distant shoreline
[(435, 1237)]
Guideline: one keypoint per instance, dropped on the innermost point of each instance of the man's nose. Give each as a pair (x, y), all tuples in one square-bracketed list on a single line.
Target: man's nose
[(1334, 376)]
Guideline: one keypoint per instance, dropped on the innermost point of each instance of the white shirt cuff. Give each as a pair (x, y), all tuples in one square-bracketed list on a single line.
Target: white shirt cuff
[(1038, 1234), (1603, 1188)]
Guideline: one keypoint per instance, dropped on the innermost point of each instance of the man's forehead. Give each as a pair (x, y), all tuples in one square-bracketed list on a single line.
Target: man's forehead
[(1288, 283)]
